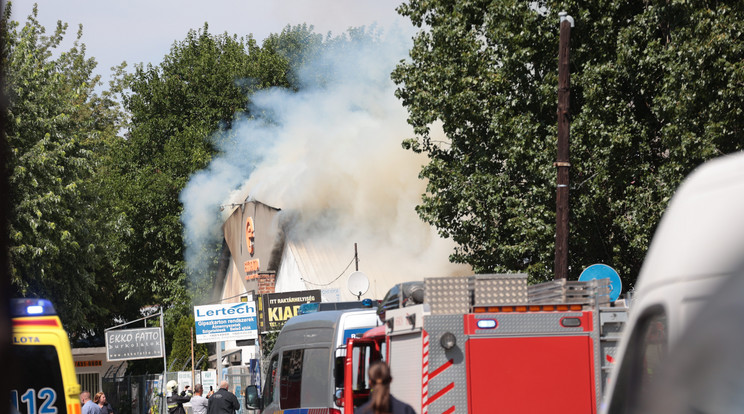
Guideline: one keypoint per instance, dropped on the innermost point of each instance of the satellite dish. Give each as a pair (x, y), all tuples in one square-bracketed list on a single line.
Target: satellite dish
[(602, 271), (358, 284)]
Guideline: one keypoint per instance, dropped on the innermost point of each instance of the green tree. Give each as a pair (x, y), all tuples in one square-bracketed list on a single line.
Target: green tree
[(655, 91), (175, 108), (180, 111), (57, 128), (183, 338)]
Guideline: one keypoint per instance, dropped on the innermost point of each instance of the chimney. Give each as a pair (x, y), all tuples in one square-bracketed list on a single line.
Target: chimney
[(266, 282)]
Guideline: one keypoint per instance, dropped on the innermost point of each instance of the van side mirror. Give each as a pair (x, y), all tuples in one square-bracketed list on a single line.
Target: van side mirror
[(252, 399)]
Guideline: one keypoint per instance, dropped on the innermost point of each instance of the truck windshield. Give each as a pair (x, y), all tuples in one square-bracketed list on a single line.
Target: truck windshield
[(36, 383)]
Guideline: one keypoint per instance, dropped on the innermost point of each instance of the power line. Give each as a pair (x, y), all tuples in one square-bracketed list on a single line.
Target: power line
[(337, 277)]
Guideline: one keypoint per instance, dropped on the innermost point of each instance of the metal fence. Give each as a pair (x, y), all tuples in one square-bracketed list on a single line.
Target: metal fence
[(141, 394), (134, 394)]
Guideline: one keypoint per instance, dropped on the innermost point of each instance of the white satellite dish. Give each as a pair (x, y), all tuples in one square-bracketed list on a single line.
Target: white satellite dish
[(358, 284)]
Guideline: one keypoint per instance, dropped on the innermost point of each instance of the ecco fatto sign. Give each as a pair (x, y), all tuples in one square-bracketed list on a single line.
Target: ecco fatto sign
[(226, 322), (126, 344)]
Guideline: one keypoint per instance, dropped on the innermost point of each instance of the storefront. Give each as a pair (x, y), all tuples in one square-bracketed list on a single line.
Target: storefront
[(91, 367)]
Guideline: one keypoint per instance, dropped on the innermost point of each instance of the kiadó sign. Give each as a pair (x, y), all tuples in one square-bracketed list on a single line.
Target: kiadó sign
[(275, 308), (126, 344)]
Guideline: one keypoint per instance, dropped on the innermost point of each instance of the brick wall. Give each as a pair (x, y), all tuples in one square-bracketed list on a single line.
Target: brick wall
[(266, 282)]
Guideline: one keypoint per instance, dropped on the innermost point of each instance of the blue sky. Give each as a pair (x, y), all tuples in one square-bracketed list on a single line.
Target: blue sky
[(143, 30)]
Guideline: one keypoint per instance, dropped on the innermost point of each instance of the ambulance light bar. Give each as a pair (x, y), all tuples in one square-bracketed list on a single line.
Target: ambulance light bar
[(31, 307)]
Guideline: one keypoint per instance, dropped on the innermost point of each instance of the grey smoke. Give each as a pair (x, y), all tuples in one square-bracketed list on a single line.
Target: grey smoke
[(331, 157)]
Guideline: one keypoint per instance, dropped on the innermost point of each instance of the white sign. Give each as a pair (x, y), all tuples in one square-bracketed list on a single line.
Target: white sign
[(209, 379), (184, 379), (226, 322), (126, 344)]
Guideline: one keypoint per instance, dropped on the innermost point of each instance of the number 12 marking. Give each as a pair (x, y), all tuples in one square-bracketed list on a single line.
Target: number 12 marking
[(47, 395)]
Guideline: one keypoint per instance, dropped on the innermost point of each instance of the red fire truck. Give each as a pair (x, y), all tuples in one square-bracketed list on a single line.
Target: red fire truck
[(492, 344)]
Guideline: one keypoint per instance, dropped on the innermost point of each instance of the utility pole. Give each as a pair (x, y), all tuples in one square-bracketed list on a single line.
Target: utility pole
[(164, 399), (562, 164), (193, 373), (356, 257)]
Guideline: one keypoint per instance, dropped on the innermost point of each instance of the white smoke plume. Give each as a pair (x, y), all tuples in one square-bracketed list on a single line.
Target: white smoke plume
[(331, 157)]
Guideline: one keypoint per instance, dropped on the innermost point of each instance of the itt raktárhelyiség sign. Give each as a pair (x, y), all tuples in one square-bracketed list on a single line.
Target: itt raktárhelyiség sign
[(231, 321)]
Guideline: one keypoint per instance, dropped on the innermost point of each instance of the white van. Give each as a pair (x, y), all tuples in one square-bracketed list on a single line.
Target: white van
[(306, 365), (698, 249)]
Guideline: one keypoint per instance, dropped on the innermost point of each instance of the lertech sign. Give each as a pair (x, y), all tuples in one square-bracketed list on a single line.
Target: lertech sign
[(225, 322)]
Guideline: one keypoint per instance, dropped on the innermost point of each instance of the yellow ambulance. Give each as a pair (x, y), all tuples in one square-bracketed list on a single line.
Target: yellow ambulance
[(42, 371)]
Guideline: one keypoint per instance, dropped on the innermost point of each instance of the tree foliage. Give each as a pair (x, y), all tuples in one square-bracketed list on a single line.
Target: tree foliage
[(57, 130), (183, 339), (655, 91), (178, 109), (95, 222)]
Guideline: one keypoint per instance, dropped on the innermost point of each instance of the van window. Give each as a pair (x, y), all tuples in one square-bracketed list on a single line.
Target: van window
[(37, 385), (646, 350), (309, 367), (361, 361), (269, 385), (290, 379), (654, 347)]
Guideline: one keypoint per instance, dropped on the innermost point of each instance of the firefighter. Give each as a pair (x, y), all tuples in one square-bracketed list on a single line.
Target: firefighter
[(175, 401), (187, 392)]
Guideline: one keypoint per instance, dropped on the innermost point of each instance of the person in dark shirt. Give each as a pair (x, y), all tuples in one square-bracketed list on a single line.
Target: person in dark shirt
[(223, 401), (100, 399), (381, 401)]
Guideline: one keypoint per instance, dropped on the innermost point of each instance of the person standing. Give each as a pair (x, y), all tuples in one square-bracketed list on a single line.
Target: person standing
[(103, 404), (381, 400), (198, 402), (175, 401), (89, 407), (223, 401)]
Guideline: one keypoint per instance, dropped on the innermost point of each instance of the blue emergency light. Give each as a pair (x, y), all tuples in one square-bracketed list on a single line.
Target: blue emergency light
[(31, 307), (487, 324), (306, 308), (313, 307)]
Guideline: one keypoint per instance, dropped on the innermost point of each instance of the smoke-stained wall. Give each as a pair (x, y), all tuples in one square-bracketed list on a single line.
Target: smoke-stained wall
[(253, 236)]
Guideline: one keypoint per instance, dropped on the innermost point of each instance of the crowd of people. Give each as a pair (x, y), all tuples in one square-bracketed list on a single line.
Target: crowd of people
[(220, 402), (225, 402)]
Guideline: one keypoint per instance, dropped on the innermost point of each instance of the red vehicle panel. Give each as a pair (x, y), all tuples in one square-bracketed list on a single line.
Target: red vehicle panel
[(527, 374)]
